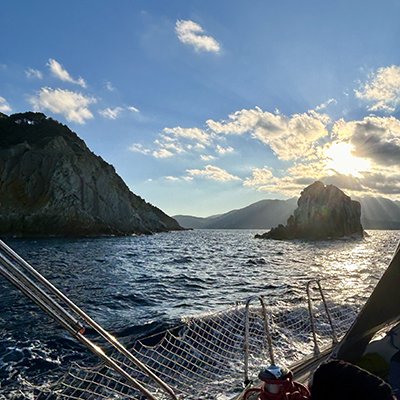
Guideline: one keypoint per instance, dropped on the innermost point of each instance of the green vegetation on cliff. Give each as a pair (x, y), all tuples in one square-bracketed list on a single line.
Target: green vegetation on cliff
[(53, 185)]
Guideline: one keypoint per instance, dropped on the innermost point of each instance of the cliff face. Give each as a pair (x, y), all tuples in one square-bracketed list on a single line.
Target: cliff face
[(52, 184), (323, 212)]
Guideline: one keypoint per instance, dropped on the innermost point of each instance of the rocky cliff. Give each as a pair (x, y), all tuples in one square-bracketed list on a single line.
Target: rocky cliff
[(51, 184), (322, 212)]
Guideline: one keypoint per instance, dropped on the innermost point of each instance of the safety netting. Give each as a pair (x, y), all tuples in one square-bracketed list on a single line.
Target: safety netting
[(205, 357)]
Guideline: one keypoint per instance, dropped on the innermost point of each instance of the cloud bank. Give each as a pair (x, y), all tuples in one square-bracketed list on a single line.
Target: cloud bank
[(289, 137)]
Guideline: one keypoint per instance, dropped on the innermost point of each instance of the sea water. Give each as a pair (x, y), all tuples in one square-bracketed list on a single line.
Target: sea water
[(140, 285)]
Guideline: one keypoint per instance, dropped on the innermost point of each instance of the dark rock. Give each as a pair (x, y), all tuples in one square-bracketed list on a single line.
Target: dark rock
[(323, 212), (51, 184)]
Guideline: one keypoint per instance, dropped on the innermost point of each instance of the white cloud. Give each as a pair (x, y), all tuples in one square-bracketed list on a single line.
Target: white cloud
[(212, 172), (138, 148), (114, 113), (59, 72), (221, 150), (33, 73), (324, 105), (110, 113), (188, 133), (207, 158), (162, 153), (244, 121), (180, 140), (312, 171), (292, 183), (261, 176), (382, 89), (324, 118), (171, 146), (289, 138), (191, 33), (110, 86), (74, 106), (172, 178), (306, 126), (4, 106)]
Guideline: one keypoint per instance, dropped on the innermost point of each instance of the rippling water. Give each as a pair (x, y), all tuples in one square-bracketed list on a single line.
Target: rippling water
[(135, 286)]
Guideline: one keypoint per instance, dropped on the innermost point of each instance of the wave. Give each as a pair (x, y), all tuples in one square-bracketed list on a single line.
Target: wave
[(140, 287)]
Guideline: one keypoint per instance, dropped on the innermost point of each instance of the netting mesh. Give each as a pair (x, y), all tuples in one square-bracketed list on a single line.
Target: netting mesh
[(204, 358)]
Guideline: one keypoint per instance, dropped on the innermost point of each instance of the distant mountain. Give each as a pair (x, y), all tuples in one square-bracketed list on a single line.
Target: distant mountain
[(264, 214), (53, 185), (379, 213), (376, 213)]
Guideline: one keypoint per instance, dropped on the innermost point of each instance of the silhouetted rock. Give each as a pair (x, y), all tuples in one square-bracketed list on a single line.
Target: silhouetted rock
[(323, 212), (53, 185)]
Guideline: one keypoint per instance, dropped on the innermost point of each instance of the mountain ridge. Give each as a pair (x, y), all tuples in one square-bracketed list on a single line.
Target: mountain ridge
[(376, 213)]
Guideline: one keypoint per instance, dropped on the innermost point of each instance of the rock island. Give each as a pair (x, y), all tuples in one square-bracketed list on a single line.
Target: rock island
[(322, 212)]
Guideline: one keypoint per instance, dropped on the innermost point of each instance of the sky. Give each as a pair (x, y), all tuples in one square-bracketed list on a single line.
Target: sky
[(208, 106)]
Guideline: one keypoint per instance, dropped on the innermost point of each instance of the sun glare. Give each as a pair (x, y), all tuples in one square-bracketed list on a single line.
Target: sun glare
[(339, 159)]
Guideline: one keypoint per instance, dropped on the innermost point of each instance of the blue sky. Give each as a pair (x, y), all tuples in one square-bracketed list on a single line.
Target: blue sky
[(207, 106)]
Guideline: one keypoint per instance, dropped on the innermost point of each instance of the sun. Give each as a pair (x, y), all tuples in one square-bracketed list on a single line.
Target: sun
[(339, 159)]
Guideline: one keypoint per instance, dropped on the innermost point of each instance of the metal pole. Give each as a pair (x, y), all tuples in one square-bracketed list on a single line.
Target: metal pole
[(247, 336), (43, 300), (334, 337), (40, 296), (267, 331), (316, 348), (72, 330), (246, 343)]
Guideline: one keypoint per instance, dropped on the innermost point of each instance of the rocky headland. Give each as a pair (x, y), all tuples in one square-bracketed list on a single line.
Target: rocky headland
[(322, 212), (51, 184)]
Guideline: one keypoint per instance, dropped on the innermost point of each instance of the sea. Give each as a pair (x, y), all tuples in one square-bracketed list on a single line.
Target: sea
[(137, 286)]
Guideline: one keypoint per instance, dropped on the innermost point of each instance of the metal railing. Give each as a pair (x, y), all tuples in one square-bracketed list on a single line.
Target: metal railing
[(311, 314), (266, 318), (247, 336), (29, 281)]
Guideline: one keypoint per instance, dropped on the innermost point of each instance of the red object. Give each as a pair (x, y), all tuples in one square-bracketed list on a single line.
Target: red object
[(280, 389)]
